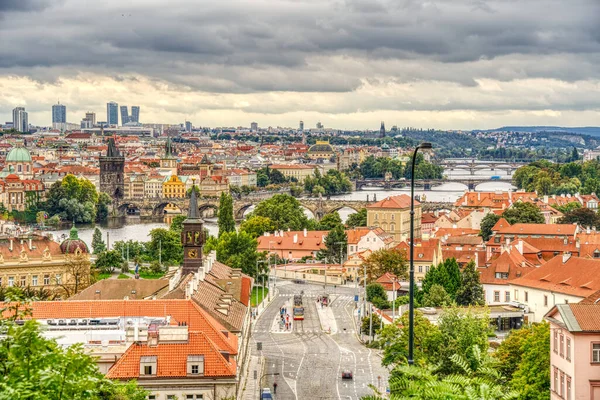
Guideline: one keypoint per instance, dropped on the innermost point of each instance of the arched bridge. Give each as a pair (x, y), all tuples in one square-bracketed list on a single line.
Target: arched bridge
[(472, 166), (427, 184), (159, 206)]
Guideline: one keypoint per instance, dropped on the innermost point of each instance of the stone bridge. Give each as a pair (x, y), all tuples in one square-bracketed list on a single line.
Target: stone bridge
[(427, 184), (319, 207)]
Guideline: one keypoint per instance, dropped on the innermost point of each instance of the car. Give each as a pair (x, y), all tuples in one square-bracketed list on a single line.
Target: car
[(266, 394), (347, 374)]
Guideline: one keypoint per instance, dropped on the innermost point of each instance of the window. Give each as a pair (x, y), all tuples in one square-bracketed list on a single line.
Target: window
[(568, 388), (526, 297), (195, 365), (496, 296), (171, 397), (393, 215), (152, 397), (194, 397), (11, 281), (562, 384), (568, 349), (507, 296), (545, 301), (562, 345), (596, 352), (58, 278), (34, 280), (556, 379), (46, 279), (555, 341), (148, 365), (426, 268), (23, 281), (516, 295), (420, 269)]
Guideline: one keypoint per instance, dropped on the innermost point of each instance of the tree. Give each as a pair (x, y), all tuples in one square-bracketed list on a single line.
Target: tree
[(77, 275), (524, 213), (336, 246), (165, 245), (461, 330), (386, 260), (76, 199), (367, 327), (329, 221), (237, 250), (510, 352), (333, 182), (532, 377), (177, 223), (375, 290), (357, 219), (284, 210), (447, 274), (256, 226), (437, 297), (102, 207), (487, 223), (470, 292), (584, 217), (107, 261), (34, 367), (226, 221), (98, 245), (574, 154)]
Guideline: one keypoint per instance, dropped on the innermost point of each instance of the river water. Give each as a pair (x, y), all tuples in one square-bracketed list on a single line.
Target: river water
[(135, 228)]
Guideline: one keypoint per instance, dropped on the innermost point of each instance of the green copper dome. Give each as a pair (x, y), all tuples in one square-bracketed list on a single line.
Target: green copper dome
[(18, 154)]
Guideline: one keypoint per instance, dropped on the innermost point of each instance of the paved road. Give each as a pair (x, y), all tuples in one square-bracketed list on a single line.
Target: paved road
[(308, 358)]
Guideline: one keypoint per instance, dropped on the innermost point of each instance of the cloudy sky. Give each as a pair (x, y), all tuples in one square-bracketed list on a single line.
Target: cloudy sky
[(460, 64)]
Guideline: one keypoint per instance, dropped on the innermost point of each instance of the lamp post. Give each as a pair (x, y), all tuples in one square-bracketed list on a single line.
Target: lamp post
[(341, 266), (411, 303), (262, 376), (257, 273)]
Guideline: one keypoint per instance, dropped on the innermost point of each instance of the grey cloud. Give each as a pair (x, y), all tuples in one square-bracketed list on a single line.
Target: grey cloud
[(243, 47)]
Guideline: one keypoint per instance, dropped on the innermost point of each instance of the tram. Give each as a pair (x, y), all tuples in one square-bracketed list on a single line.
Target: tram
[(298, 307)]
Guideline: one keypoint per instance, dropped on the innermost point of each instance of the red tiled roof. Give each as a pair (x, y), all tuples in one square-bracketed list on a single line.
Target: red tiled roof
[(171, 359), (401, 201), (502, 223), (539, 229), (587, 315), (577, 277)]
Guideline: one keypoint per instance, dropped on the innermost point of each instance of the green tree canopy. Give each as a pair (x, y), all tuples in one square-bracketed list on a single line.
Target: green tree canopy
[(165, 245), (226, 221), (329, 221), (333, 182), (532, 377), (446, 274), (523, 213), (375, 290), (584, 217), (470, 292), (357, 219), (177, 223), (33, 367), (487, 223), (284, 210), (437, 297), (108, 261), (256, 226), (237, 250), (76, 199), (98, 245), (386, 260), (336, 246)]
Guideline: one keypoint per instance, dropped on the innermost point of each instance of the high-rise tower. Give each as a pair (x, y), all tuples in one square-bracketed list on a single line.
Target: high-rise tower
[(59, 116), (124, 115), (112, 113), (20, 119), (135, 114)]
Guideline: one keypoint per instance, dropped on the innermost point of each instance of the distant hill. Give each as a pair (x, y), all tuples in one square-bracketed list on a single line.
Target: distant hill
[(586, 130)]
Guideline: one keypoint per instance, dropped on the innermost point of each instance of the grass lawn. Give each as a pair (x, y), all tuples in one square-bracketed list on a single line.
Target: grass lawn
[(103, 276), (258, 292), (147, 275), (123, 276)]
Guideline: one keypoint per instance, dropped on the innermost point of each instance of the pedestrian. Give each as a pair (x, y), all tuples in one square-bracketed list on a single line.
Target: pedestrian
[(274, 387)]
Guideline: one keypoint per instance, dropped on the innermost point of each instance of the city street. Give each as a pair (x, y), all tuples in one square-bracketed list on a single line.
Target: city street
[(308, 358)]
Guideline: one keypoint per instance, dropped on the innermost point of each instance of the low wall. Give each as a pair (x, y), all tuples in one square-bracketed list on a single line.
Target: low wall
[(318, 278)]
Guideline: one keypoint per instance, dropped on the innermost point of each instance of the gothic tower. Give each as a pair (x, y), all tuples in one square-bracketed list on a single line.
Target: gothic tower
[(112, 171), (192, 238), (382, 130), (168, 161)]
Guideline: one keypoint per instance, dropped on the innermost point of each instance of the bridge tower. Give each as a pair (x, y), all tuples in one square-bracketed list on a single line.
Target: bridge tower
[(192, 237)]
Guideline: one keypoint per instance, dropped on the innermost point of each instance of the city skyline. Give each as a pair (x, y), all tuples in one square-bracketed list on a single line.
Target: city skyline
[(450, 65)]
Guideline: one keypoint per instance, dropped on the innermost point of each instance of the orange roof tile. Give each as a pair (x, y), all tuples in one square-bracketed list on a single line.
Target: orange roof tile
[(171, 359), (401, 201), (587, 315)]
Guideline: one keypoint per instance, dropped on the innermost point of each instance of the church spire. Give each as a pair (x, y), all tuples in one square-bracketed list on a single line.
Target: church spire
[(193, 212)]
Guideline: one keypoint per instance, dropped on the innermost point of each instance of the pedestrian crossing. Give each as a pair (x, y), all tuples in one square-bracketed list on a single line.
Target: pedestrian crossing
[(305, 331)]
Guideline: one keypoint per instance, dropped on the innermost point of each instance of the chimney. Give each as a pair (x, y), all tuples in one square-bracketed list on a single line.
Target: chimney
[(510, 196), (588, 230), (11, 244), (476, 259), (519, 246), (295, 238), (565, 257), (30, 244), (304, 232), (478, 195), (566, 241), (546, 199), (507, 241)]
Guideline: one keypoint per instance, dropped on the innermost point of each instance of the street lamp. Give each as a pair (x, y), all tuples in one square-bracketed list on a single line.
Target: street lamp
[(262, 376), (411, 303), (257, 273)]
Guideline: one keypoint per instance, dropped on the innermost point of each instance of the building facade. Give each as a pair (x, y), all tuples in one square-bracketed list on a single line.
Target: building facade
[(112, 113), (59, 116), (20, 120), (135, 114), (112, 172), (392, 214)]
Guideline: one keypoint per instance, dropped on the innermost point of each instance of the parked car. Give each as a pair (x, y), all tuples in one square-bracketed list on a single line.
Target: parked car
[(266, 394), (346, 374)]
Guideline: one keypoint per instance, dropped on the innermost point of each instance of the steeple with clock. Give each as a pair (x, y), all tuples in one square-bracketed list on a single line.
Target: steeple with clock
[(192, 237)]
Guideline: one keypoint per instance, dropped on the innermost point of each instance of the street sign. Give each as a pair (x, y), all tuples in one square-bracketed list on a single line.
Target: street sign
[(255, 374), (259, 346), (355, 297)]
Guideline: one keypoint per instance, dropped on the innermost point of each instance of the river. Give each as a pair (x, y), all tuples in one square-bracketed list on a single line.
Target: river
[(135, 228)]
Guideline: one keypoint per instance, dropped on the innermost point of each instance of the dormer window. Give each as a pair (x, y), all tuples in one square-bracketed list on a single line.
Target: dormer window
[(597, 253), (148, 365), (195, 365)]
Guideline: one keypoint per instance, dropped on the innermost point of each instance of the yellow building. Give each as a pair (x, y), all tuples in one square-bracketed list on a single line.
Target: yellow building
[(40, 263), (173, 187), (392, 214), (298, 171)]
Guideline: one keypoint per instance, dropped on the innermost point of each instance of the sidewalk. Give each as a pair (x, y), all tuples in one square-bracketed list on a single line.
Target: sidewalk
[(327, 318)]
